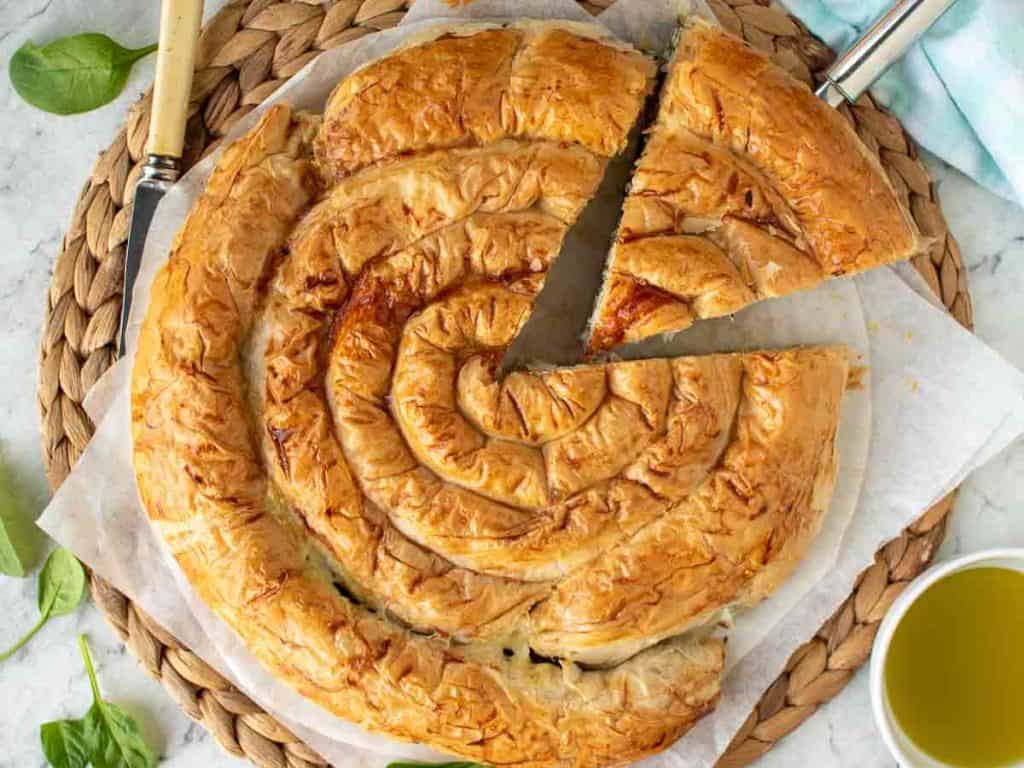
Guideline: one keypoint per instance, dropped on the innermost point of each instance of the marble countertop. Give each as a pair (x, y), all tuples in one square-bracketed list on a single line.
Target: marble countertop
[(43, 160)]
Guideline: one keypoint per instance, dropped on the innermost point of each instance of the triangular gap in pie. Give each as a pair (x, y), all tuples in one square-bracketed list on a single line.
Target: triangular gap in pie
[(321, 438), (749, 187)]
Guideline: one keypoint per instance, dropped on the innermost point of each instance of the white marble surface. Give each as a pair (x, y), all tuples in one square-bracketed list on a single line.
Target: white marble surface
[(43, 160)]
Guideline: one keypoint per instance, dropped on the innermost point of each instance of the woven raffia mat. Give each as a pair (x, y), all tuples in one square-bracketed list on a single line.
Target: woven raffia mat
[(247, 50)]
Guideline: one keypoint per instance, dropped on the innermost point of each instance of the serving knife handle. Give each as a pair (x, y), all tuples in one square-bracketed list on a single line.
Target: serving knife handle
[(878, 48), (175, 60)]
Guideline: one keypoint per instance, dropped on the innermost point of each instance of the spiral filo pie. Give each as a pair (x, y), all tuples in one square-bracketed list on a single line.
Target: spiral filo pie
[(500, 567)]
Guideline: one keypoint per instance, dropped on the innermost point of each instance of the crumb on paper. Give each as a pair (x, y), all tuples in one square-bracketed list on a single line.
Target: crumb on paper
[(855, 378), (908, 336), (913, 384), (874, 327)]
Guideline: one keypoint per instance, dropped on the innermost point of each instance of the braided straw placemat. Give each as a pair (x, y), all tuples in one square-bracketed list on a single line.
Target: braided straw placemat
[(247, 50)]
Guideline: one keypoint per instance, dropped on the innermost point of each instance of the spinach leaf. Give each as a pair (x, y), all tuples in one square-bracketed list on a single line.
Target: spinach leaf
[(61, 589), (107, 737), (73, 74), (61, 583), (19, 538), (65, 743), (115, 739)]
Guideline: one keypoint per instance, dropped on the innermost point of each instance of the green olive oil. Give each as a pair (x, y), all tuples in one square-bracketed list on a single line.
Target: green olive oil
[(955, 670)]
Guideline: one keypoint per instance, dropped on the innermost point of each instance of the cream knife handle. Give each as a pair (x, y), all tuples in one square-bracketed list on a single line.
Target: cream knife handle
[(175, 60)]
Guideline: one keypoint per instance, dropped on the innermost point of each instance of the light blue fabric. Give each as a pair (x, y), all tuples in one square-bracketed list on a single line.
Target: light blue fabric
[(959, 92)]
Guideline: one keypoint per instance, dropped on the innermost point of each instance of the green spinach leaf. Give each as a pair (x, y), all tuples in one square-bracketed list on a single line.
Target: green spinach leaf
[(115, 739), (61, 589), (61, 583), (19, 538), (73, 74), (107, 737), (65, 743)]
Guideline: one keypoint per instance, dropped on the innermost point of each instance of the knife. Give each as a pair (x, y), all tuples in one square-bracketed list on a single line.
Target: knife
[(175, 60), (878, 48), (554, 332)]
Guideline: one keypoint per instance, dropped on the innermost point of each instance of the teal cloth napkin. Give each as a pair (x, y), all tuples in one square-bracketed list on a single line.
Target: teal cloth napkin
[(959, 92)]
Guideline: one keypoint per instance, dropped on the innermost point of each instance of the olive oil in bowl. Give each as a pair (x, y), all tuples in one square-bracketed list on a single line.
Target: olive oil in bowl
[(954, 672)]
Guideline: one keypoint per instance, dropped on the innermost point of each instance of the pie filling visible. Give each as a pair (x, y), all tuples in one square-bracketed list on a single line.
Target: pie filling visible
[(516, 570)]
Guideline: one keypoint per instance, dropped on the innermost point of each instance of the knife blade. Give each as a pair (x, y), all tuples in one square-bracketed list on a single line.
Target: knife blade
[(176, 54), (148, 192)]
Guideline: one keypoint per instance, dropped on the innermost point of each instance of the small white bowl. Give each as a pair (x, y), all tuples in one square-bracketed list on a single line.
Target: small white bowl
[(902, 748)]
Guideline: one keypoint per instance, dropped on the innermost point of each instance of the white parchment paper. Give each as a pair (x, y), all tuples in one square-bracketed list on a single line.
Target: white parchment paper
[(935, 404)]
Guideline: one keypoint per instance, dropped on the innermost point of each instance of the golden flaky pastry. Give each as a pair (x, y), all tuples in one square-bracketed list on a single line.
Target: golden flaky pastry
[(749, 187), (499, 568)]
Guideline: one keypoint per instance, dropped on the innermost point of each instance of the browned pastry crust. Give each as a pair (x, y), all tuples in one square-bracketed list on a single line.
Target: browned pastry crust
[(749, 187), (321, 439), (731, 534), (328, 249), (479, 88)]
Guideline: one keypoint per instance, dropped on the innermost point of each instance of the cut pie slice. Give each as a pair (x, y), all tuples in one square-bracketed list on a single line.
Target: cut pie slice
[(499, 568), (749, 187)]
